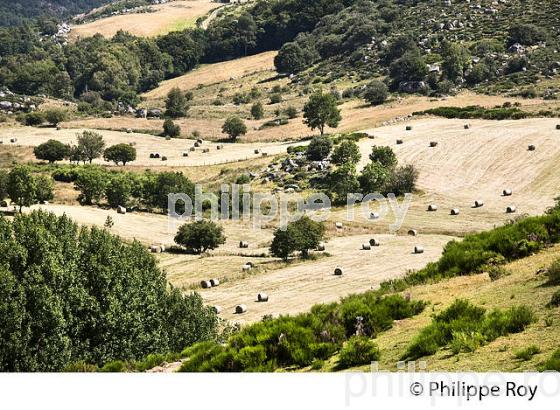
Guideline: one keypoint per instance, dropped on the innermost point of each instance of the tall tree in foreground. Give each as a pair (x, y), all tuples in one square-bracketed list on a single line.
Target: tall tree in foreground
[(21, 187), (321, 110), (75, 294), (90, 145)]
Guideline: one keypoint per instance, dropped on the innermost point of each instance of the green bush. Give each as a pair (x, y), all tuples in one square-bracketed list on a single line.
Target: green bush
[(464, 327), (552, 363), (477, 112), (358, 350), (555, 299), (497, 272), (527, 353), (553, 273)]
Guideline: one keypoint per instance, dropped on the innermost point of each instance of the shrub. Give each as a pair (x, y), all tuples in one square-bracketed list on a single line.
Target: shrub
[(527, 353), (376, 93), (170, 129), (291, 112), (34, 119), (555, 299), (347, 152), (44, 190), (384, 155), (276, 98), (466, 342), (319, 148), (51, 151), (234, 127), (176, 104), (358, 350), (497, 272), (257, 111), (301, 235), (552, 363), (553, 273), (54, 116)]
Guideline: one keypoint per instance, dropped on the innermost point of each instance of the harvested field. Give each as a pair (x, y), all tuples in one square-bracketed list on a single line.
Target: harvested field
[(167, 17)]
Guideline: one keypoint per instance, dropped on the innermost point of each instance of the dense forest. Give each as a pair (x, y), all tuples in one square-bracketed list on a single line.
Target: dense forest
[(452, 45), (16, 12)]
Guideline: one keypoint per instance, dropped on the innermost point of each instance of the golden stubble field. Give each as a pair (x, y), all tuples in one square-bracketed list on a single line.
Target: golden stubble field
[(166, 17)]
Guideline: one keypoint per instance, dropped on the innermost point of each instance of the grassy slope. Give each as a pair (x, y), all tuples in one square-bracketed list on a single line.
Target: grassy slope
[(523, 286)]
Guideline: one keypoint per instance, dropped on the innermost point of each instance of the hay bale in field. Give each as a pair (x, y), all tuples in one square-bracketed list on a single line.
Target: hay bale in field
[(338, 271), (478, 203), (511, 209), (196, 144), (13, 140), (206, 150), (152, 156), (121, 210), (155, 249), (321, 247), (243, 244), (264, 154), (418, 249), (433, 144), (251, 264), (409, 127), (3, 204), (246, 268), (399, 142), (257, 151), (240, 309), (412, 232), (217, 309), (156, 155), (129, 130), (455, 211), (215, 282), (558, 126), (531, 148), (374, 215), (366, 247), (432, 208), (205, 284), (185, 154), (262, 297), (164, 158), (467, 126), (220, 147), (507, 192), (374, 242), (199, 141), (192, 149), (339, 225)]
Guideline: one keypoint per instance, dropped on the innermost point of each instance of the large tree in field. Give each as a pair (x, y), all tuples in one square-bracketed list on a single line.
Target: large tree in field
[(71, 294), (120, 153), (301, 235), (51, 151), (90, 145), (321, 110), (234, 127), (200, 236)]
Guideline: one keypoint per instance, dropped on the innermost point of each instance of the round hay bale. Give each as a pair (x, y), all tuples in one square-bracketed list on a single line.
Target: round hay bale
[(121, 210), (185, 154), (246, 268), (507, 192), (366, 247), (374, 242), (205, 284), (558, 126), (3, 204), (199, 141), (531, 148), (467, 126), (418, 249), (338, 271), (164, 158), (206, 150), (192, 149), (374, 215), (156, 155), (339, 225), (215, 282), (262, 297), (217, 309), (433, 144), (321, 247), (432, 208), (478, 203), (399, 142), (155, 249), (240, 309), (251, 264), (511, 209), (257, 151), (129, 130), (197, 144), (455, 211), (409, 127), (413, 232), (13, 140), (243, 244), (264, 154)]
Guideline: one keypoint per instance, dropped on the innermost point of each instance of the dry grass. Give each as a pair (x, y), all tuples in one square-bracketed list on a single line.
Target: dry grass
[(167, 17)]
